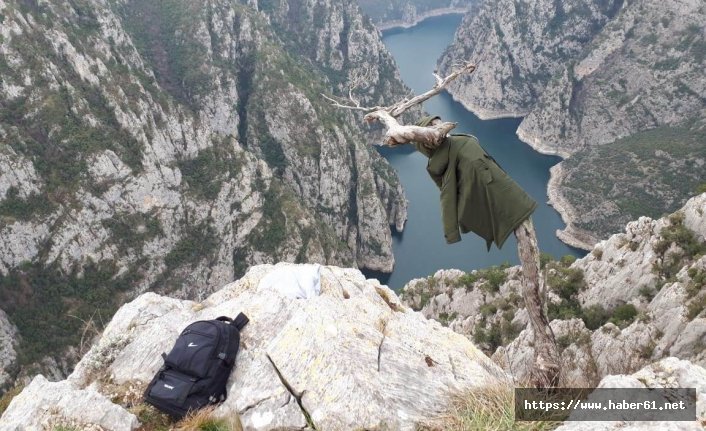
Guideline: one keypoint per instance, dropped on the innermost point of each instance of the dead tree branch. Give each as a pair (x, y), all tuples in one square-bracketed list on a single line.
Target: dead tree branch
[(396, 133)]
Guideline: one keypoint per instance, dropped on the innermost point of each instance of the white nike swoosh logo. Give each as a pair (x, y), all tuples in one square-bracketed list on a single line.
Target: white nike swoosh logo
[(192, 345)]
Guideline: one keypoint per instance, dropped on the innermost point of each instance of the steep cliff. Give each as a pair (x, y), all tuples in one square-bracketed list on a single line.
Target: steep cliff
[(642, 71), (519, 46), (389, 14), (170, 145), (350, 358), (637, 297), (588, 74)]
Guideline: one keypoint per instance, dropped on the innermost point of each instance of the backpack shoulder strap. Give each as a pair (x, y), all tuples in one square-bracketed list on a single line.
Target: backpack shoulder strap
[(240, 321)]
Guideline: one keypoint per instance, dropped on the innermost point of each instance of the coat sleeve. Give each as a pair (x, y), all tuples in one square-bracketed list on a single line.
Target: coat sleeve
[(449, 209)]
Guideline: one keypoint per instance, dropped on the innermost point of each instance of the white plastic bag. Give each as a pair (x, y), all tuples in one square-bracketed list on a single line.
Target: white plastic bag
[(294, 281)]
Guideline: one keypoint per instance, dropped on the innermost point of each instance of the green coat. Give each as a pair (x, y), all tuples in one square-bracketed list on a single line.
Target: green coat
[(476, 194)]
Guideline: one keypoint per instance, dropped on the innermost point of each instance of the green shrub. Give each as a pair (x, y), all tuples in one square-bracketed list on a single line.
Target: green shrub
[(595, 316), (197, 242), (564, 310), (424, 298), (647, 292), (490, 338), (696, 307), (597, 253), (446, 318), (566, 282), (206, 173), (623, 315), (567, 260), (682, 236), (697, 282), (544, 259), (487, 309), (132, 230), (495, 276), (34, 205)]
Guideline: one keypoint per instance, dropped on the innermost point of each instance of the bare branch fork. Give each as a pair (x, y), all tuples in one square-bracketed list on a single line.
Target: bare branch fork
[(397, 134)]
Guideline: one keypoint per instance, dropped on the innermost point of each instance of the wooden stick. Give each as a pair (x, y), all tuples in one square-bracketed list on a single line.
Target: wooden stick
[(544, 371)]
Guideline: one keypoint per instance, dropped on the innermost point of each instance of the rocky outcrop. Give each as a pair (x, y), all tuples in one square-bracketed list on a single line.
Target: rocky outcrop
[(667, 373), (50, 405), (572, 234), (351, 358), (172, 145), (8, 355), (635, 298), (390, 14)]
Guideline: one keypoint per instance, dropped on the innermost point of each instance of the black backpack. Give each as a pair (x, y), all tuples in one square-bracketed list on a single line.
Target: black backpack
[(196, 371)]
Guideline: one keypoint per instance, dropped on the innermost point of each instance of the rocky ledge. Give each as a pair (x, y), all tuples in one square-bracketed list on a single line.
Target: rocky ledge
[(352, 357), (637, 297)]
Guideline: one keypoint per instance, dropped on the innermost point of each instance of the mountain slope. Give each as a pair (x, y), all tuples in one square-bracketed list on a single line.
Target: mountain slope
[(519, 46), (171, 145), (588, 74)]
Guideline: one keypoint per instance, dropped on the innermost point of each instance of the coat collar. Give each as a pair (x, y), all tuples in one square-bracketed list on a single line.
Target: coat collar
[(439, 158)]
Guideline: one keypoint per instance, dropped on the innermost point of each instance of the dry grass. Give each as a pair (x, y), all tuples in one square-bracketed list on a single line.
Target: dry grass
[(485, 409), (152, 419), (8, 396), (203, 420)]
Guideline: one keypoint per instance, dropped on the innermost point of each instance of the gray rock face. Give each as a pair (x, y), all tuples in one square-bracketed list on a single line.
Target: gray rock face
[(519, 47), (557, 63), (46, 405), (352, 358), (638, 73), (178, 152), (8, 342), (16, 172), (667, 373), (626, 270)]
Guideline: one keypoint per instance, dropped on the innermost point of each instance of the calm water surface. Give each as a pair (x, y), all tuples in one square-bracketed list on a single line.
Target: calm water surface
[(421, 249)]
